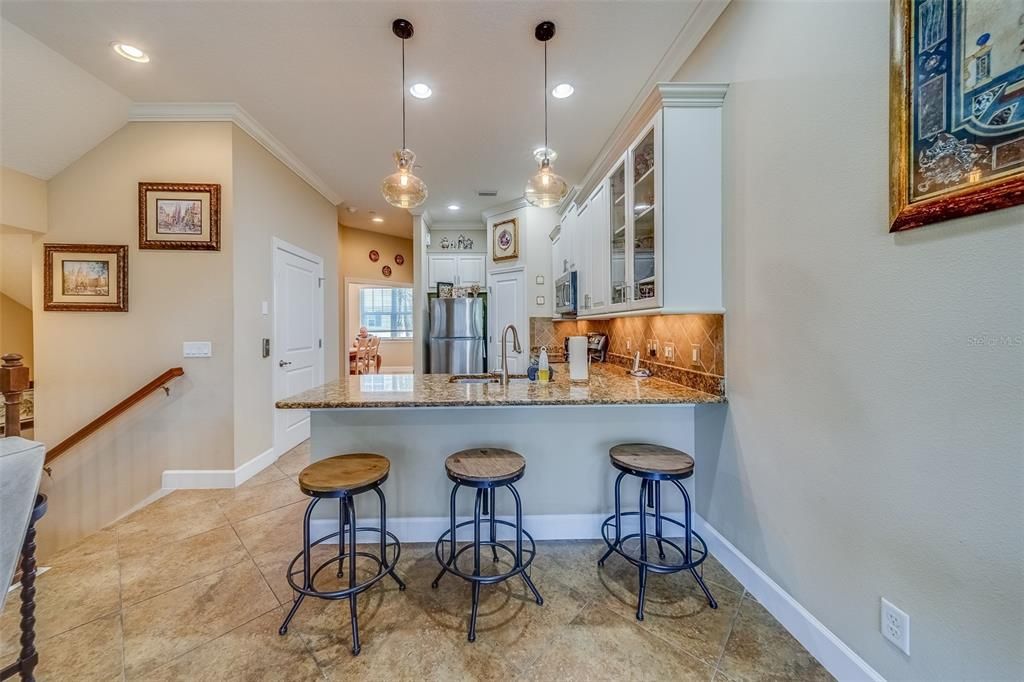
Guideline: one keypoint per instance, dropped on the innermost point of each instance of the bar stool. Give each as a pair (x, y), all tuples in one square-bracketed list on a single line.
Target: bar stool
[(654, 464), (343, 477), (485, 469)]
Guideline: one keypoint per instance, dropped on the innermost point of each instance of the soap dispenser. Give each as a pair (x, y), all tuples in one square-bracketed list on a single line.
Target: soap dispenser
[(543, 368)]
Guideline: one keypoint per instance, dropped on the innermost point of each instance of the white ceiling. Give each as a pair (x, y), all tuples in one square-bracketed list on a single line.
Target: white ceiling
[(324, 79), (53, 111)]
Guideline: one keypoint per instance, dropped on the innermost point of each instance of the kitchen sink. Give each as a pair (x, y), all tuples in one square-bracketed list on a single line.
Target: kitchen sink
[(484, 378)]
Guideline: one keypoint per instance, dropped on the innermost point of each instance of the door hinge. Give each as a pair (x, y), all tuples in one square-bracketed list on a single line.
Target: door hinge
[(319, 343), (319, 282)]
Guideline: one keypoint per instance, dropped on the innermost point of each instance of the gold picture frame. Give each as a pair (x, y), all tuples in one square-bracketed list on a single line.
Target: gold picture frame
[(505, 240), (85, 277), (179, 216), (943, 157)]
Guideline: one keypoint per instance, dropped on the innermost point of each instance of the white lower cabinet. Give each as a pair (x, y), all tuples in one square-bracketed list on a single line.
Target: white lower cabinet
[(459, 269)]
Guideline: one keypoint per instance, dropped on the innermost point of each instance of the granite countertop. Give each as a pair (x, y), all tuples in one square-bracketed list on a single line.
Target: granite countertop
[(608, 385)]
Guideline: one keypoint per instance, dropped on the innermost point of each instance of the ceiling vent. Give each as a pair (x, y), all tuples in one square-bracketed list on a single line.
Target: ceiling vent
[(487, 192)]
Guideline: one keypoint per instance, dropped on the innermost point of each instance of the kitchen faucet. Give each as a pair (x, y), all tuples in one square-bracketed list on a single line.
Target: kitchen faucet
[(504, 351)]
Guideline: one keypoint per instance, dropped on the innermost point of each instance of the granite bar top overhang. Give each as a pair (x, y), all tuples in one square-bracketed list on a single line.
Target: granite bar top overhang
[(608, 385)]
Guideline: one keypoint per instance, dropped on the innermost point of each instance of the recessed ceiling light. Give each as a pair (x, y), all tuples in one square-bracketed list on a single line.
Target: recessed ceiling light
[(420, 90), (130, 52), (453, 207), (377, 219), (562, 90)]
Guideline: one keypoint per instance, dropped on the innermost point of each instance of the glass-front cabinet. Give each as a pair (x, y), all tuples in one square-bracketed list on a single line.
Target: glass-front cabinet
[(656, 217), (619, 294), (644, 208)]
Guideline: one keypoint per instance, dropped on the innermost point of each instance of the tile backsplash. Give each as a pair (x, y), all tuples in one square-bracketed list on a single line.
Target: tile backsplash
[(684, 331)]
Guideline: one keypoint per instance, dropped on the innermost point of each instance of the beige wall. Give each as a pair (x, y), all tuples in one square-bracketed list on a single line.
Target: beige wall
[(874, 440), (16, 330), (355, 246), (22, 201), (87, 362), (271, 201)]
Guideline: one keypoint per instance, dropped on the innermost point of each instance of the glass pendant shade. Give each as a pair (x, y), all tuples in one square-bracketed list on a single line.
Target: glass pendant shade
[(403, 189), (546, 188)]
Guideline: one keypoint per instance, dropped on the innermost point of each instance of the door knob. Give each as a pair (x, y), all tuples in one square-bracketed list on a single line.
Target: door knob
[(283, 363)]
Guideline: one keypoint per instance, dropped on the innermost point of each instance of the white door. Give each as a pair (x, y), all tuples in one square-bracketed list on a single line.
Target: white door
[(441, 269), (507, 305), (298, 337), (471, 270)]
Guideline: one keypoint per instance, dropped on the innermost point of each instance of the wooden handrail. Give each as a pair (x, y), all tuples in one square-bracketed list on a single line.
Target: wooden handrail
[(108, 416)]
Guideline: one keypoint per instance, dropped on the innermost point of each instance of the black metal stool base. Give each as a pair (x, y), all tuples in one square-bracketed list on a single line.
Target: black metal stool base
[(692, 556), (449, 564), (347, 521)]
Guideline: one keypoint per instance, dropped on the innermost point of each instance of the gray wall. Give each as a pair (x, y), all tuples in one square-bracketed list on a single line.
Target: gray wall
[(870, 447)]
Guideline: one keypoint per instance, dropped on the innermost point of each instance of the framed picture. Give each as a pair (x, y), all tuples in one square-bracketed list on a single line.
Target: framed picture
[(445, 289), (505, 240), (179, 216), (956, 110), (85, 277)]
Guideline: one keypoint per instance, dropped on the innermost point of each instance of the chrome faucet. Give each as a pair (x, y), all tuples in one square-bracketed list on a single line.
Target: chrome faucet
[(504, 351)]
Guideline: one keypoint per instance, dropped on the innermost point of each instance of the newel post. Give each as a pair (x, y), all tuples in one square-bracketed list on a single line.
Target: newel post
[(13, 381)]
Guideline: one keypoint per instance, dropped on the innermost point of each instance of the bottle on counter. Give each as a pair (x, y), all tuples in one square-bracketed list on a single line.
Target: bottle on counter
[(543, 368)]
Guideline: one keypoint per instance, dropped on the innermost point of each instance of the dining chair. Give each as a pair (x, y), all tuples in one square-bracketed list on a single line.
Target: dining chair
[(371, 360), (362, 365)]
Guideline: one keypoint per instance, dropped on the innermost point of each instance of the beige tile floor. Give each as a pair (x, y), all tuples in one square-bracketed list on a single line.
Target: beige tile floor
[(192, 588)]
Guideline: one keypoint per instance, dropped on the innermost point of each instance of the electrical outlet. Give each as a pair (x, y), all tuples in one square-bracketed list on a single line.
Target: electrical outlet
[(629, 344), (670, 350), (895, 626), (695, 354)]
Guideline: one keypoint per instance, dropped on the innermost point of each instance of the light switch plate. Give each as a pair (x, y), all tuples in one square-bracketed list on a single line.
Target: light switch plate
[(670, 350), (197, 349), (265, 307)]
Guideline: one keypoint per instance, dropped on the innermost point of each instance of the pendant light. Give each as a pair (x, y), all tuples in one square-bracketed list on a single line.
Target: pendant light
[(546, 188), (402, 188)]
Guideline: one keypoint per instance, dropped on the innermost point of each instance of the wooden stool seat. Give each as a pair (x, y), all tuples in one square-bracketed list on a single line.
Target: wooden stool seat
[(344, 474), (485, 465), (647, 458)]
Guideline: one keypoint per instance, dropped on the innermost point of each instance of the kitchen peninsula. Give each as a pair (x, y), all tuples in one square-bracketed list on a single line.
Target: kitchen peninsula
[(563, 430)]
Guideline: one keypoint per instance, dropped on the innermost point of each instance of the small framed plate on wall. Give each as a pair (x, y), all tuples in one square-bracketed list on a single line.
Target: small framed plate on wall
[(179, 216), (85, 277), (505, 240)]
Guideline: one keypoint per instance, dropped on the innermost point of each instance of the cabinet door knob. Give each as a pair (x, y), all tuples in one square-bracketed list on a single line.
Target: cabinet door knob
[(283, 363)]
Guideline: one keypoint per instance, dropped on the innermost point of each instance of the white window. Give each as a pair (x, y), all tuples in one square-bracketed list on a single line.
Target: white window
[(386, 311)]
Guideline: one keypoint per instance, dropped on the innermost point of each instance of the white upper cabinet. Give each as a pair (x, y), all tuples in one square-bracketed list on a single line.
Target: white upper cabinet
[(459, 269), (653, 225)]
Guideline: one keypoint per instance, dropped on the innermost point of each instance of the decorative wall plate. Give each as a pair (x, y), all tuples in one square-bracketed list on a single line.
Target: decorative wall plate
[(374, 256), (399, 259), (386, 270)]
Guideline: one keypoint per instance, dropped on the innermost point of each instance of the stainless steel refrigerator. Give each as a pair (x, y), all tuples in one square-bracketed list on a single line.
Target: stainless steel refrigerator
[(458, 336)]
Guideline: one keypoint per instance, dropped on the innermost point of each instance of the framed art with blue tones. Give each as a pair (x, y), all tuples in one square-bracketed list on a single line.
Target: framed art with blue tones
[(956, 109)]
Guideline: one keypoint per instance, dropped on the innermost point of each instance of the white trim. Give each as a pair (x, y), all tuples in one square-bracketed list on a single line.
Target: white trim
[(686, 41), (507, 270), (229, 111), (190, 479), (838, 658), (506, 207), (397, 369)]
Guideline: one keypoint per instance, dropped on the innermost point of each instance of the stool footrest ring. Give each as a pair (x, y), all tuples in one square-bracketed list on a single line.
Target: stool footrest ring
[(450, 564), (698, 552), (349, 591)]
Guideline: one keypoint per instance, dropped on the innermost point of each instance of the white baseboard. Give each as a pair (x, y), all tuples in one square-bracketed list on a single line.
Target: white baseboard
[(184, 479), (839, 659)]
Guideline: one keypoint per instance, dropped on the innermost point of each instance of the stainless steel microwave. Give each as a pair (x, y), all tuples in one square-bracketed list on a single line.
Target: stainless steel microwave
[(565, 294)]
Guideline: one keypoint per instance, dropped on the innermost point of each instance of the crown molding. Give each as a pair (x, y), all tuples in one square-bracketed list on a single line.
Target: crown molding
[(513, 205), (648, 99), (229, 111)]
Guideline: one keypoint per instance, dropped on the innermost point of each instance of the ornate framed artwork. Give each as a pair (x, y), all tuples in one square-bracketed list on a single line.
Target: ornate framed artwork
[(956, 110), (386, 270), (505, 240), (85, 277), (179, 216)]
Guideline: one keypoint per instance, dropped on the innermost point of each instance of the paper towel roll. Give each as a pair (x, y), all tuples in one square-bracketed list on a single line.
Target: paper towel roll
[(578, 368)]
